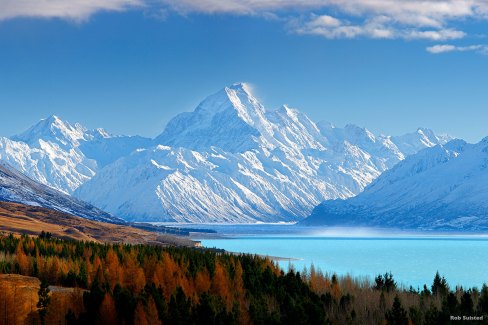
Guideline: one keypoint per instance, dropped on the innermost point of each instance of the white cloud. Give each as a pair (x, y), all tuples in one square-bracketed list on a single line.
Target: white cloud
[(441, 48), (445, 48), (77, 10), (381, 19), (331, 27), (436, 35), (431, 13), (408, 19), (412, 12), (325, 20), (376, 27)]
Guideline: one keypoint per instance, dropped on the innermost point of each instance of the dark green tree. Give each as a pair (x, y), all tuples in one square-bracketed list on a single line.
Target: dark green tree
[(180, 309), (44, 300), (397, 315), (432, 316), (440, 286), (415, 315), (483, 300), (82, 278), (466, 306), (385, 282), (425, 292), (92, 300), (450, 304)]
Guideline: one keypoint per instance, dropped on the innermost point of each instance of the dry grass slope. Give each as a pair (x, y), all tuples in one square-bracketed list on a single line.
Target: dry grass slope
[(25, 219)]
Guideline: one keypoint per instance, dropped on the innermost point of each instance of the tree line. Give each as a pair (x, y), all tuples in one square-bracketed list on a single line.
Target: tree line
[(144, 284)]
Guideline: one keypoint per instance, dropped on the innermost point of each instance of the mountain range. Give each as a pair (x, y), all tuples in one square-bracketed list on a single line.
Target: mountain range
[(440, 188), (230, 160)]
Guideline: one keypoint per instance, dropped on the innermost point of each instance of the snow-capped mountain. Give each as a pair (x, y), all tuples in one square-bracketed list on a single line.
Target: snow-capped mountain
[(231, 160), (18, 188), (444, 187), (64, 156)]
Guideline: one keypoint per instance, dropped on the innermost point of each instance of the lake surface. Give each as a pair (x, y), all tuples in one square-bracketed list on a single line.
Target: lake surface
[(412, 258)]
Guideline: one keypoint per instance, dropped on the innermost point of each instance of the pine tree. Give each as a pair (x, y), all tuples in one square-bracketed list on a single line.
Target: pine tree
[(466, 306), (385, 282), (397, 315), (44, 300), (439, 286), (483, 300)]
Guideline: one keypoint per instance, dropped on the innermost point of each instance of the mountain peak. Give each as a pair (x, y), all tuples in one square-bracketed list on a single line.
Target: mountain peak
[(425, 131), (52, 119), (52, 129), (241, 86), (230, 118), (50, 122), (237, 97)]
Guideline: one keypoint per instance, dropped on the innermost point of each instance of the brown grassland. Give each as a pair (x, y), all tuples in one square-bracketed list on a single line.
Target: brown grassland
[(30, 220)]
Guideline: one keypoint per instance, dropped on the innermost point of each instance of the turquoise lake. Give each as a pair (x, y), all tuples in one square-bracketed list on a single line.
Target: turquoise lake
[(412, 258)]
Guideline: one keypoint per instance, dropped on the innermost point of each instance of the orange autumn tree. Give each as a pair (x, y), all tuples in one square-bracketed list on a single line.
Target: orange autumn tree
[(113, 270), (134, 277), (108, 312), (22, 260), (221, 285)]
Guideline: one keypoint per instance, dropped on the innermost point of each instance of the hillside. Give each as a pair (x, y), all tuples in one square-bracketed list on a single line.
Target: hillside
[(16, 187), (24, 219), (440, 188)]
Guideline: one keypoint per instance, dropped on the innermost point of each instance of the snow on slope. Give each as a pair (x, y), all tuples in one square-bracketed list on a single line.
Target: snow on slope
[(444, 187), (64, 156), (232, 161), (16, 187)]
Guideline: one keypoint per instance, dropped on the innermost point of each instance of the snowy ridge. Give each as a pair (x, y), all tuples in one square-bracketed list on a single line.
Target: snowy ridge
[(64, 156), (18, 188), (231, 160), (444, 187)]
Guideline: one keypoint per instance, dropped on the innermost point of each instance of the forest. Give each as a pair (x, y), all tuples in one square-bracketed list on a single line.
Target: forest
[(45, 280)]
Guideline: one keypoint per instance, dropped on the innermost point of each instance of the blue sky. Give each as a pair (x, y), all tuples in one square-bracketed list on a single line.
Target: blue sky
[(131, 65)]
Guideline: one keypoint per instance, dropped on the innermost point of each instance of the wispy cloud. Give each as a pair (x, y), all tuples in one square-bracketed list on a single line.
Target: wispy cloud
[(431, 13), (434, 20), (76, 10), (421, 12), (380, 19), (376, 27), (445, 48)]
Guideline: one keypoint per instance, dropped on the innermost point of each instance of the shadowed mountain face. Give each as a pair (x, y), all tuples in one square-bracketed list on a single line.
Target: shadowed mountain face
[(16, 187), (443, 188)]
